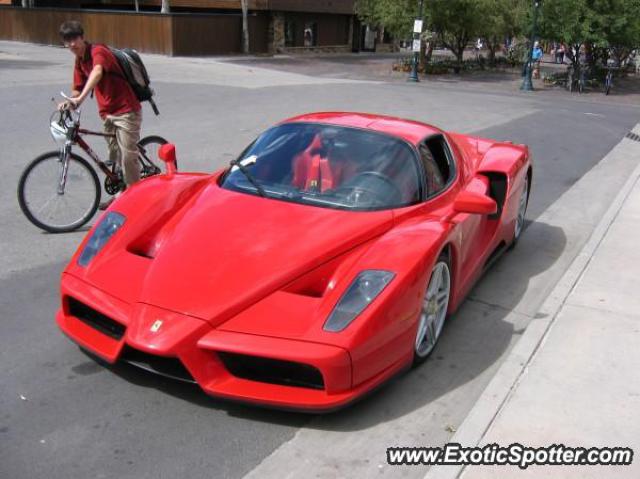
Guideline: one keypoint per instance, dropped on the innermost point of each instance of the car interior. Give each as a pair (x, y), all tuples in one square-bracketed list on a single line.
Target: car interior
[(359, 168), (437, 163)]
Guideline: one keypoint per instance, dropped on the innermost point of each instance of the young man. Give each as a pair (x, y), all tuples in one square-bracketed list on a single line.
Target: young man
[(97, 69)]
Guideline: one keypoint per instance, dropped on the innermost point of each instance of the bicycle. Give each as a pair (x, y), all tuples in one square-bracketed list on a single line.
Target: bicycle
[(608, 80), (59, 191)]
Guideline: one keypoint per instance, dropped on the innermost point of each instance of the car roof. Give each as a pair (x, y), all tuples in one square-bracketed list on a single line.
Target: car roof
[(408, 130)]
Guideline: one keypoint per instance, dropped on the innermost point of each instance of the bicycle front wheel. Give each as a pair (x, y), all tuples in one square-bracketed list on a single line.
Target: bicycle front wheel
[(148, 148), (54, 203)]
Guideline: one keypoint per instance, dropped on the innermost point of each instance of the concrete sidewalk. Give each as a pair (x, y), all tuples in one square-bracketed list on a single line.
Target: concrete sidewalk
[(574, 378)]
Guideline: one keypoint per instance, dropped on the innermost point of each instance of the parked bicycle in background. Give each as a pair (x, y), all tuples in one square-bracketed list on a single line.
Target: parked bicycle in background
[(612, 65), (608, 80), (59, 191)]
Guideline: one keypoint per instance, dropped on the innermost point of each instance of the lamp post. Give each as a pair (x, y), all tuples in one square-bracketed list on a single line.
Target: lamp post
[(527, 84), (417, 33)]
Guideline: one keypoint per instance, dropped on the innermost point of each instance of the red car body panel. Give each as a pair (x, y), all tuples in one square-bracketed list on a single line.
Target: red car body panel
[(200, 274)]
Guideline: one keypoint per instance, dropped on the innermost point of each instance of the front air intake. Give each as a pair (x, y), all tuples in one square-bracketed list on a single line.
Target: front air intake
[(272, 371), (95, 319), (161, 365)]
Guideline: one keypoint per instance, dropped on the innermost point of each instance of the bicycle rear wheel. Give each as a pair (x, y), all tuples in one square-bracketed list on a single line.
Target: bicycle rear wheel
[(48, 206), (148, 148)]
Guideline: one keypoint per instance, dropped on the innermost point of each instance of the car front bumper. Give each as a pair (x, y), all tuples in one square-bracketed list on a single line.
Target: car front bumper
[(314, 377)]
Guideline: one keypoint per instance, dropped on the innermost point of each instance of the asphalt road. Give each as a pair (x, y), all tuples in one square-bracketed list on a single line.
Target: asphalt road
[(62, 415)]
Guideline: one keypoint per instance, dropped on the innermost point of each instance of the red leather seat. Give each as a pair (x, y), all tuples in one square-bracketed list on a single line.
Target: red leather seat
[(312, 171)]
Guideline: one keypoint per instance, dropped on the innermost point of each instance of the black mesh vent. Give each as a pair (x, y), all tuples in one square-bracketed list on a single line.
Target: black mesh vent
[(273, 371), (95, 319), (169, 367)]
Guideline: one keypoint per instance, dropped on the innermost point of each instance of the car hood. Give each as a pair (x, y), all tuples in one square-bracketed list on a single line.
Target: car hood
[(228, 250)]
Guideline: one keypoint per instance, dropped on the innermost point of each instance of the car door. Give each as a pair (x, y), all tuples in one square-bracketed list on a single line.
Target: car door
[(440, 169)]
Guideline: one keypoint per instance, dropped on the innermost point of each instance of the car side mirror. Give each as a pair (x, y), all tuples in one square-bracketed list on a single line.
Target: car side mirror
[(167, 153), (474, 203)]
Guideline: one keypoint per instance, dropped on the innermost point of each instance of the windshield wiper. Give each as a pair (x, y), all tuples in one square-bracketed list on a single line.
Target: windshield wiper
[(249, 176)]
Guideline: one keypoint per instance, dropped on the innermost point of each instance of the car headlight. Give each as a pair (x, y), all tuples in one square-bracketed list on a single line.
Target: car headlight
[(103, 232), (362, 291)]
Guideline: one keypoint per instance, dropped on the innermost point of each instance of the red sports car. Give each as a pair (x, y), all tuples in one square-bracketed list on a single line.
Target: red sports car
[(320, 263)]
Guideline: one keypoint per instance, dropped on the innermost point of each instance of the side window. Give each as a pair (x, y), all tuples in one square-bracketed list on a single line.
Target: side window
[(437, 164)]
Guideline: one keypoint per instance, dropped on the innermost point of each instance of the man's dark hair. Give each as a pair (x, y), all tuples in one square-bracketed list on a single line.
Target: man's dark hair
[(71, 29)]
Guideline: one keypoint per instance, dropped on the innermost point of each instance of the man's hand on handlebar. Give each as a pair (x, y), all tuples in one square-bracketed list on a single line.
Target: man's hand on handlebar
[(70, 103)]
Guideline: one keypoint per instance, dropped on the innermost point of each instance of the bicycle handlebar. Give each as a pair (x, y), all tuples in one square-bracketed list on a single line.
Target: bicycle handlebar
[(67, 110)]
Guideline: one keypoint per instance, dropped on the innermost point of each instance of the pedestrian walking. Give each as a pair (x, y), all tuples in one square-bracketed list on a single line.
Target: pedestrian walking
[(478, 47), (536, 57), (560, 53)]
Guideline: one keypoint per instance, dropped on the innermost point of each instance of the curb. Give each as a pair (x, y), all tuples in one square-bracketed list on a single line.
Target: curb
[(496, 395)]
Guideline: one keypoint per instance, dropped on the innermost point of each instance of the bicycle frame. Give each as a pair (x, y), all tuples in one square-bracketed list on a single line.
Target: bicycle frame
[(74, 135), (77, 139), (60, 190)]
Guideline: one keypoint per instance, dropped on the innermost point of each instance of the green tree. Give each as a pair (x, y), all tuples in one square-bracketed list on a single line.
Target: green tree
[(596, 24), (455, 22), (501, 19), (570, 22), (618, 25), (396, 16)]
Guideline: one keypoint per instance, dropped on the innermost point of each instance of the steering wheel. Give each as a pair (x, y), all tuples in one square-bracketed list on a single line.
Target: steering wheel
[(359, 190)]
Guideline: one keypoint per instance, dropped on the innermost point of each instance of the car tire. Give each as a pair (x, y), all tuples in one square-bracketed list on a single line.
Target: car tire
[(433, 313), (523, 202)]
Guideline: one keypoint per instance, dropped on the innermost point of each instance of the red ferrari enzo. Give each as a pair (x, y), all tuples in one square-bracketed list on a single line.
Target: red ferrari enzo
[(320, 263)]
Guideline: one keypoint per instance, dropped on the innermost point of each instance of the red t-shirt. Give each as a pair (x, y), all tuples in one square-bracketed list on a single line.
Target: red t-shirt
[(113, 94)]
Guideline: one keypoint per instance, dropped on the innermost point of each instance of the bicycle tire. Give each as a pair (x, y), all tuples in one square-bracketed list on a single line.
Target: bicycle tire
[(607, 85), (79, 165), (150, 154)]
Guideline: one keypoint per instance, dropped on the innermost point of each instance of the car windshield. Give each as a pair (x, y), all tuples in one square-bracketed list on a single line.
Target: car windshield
[(328, 166)]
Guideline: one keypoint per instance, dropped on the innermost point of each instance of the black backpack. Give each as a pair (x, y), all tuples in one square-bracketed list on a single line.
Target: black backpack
[(135, 74)]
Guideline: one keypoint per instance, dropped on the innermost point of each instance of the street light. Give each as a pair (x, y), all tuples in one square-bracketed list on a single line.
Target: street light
[(527, 84), (417, 37)]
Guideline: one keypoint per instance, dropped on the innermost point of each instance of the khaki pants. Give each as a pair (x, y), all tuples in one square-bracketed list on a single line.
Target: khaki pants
[(123, 148)]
